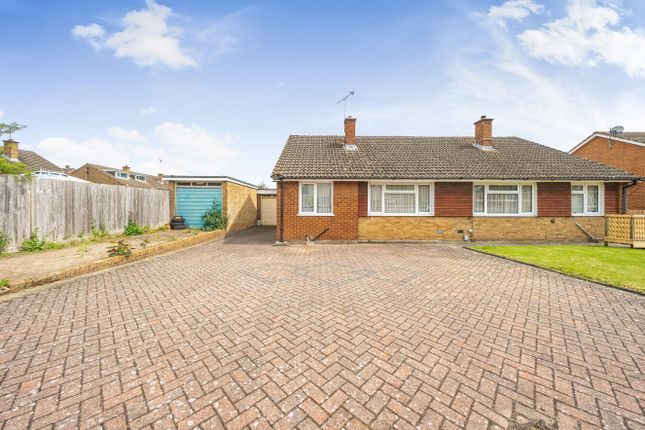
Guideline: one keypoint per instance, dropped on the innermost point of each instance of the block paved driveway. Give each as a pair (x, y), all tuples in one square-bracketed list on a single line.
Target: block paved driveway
[(242, 334)]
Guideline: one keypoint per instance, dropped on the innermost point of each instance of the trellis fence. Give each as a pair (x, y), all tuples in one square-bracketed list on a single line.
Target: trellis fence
[(626, 229), (60, 210)]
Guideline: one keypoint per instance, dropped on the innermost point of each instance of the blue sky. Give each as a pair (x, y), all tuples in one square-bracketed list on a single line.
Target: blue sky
[(216, 87)]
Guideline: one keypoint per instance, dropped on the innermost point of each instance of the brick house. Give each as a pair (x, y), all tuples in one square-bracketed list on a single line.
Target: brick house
[(373, 188), (625, 151), (115, 176), (33, 161)]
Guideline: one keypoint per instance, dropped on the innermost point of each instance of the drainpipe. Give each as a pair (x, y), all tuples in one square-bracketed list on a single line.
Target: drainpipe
[(624, 209), (281, 242)]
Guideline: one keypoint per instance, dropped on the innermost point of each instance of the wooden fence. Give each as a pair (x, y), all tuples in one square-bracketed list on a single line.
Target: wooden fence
[(61, 210), (626, 229)]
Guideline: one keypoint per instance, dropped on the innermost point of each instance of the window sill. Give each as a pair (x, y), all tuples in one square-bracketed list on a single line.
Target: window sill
[(593, 214), (312, 214), (505, 215), (412, 215)]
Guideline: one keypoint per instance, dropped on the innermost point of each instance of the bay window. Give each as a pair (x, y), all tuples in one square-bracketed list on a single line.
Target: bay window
[(316, 198), (504, 199), (586, 199), (400, 199)]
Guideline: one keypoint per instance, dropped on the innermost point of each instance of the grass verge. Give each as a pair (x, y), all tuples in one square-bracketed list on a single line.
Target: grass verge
[(619, 267)]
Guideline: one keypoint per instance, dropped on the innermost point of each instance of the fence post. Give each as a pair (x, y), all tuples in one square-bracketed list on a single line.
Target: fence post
[(606, 225), (631, 227)]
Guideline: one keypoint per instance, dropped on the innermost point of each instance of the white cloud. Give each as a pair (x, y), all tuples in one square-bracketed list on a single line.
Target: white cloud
[(149, 110), (123, 134), (92, 33), (587, 36), (146, 38), (515, 10), (184, 149)]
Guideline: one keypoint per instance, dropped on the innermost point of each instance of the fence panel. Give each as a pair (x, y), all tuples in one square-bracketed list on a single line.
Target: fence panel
[(62, 210)]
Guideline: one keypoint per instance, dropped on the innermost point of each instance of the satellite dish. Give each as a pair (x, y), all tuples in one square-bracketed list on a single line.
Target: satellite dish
[(616, 130)]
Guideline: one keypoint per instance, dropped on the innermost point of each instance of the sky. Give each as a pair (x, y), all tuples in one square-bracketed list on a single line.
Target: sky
[(216, 87)]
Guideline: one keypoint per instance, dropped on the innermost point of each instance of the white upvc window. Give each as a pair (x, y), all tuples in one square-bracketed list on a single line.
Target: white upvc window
[(504, 199), (121, 175), (587, 199), (400, 199), (316, 198)]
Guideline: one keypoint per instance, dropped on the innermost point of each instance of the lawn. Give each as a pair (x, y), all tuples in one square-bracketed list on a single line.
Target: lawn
[(621, 267)]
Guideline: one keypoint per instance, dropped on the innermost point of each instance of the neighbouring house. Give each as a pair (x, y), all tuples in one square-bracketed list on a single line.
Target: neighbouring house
[(266, 207), (33, 161), (626, 151), (483, 187), (123, 176), (192, 196)]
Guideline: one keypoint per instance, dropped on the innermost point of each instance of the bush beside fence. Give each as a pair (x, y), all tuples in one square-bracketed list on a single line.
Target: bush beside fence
[(61, 210)]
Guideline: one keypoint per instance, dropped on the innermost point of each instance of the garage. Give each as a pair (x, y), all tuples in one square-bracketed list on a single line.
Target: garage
[(267, 207), (194, 199)]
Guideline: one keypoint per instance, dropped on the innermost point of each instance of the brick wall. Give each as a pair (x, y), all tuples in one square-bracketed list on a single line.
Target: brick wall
[(240, 205), (453, 199), (412, 228), (612, 198), (172, 186), (554, 199), (362, 199), (537, 228), (342, 226), (625, 156)]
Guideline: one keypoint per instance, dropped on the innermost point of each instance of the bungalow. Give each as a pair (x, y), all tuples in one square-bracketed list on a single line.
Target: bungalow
[(375, 188), (33, 161), (624, 150), (115, 176)]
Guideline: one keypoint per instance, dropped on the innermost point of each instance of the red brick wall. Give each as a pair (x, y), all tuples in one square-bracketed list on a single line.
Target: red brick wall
[(625, 156), (554, 198), (612, 198), (453, 199), (362, 199), (342, 226)]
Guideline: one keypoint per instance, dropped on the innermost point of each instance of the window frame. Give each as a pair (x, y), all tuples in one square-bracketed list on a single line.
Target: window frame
[(315, 185), (140, 178), (384, 184), (120, 174), (519, 185), (585, 186)]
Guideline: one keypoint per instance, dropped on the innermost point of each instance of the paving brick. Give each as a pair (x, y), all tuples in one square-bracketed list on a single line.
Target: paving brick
[(239, 334)]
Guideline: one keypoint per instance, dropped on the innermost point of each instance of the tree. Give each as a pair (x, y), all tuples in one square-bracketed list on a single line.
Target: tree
[(12, 168), (262, 186), (10, 128)]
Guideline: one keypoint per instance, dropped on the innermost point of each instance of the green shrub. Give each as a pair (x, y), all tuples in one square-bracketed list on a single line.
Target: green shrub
[(120, 248), (99, 232), (133, 229), (214, 220), (4, 242), (34, 244), (4, 283)]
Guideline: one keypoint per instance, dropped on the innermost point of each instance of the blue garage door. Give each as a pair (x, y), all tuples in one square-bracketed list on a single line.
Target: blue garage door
[(192, 203)]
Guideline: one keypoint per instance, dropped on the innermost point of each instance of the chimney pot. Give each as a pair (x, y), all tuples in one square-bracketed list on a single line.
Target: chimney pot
[(484, 131), (350, 131), (11, 149)]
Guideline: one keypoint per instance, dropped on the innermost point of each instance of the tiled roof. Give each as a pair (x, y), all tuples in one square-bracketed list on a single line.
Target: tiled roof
[(35, 162), (636, 136), (152, 181), (406, 157)]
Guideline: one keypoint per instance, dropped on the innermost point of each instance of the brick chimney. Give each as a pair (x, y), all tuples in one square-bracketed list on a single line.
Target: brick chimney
[(126, 169), (484, 131), (160, 177), (11, 149), (350, 131)]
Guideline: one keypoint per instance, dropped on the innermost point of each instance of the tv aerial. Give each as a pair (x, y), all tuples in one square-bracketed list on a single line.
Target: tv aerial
[(344, 100)]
